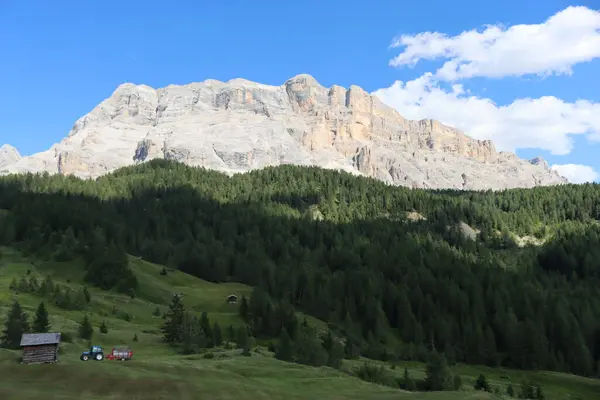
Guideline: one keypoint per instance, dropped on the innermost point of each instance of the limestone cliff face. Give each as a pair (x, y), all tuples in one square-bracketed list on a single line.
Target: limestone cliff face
[(8, 155), (240, 125)]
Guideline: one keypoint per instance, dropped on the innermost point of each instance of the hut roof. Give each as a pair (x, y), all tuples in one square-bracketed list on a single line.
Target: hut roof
[(36, 339)]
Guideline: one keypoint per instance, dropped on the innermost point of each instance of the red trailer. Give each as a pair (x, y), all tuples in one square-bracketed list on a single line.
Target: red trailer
[(122, 353)]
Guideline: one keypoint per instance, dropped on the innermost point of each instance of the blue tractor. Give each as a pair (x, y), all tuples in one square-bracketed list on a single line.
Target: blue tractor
[(95, 352)]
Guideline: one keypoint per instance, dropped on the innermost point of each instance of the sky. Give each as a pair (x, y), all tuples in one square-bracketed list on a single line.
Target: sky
[(524, 73)]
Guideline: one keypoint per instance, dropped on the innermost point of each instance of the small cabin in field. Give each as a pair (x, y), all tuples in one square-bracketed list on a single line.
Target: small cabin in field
[(40, 348), (232, 299)]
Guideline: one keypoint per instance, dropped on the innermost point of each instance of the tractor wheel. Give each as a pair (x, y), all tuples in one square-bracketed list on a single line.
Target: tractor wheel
[(99, 357), (84, 357)]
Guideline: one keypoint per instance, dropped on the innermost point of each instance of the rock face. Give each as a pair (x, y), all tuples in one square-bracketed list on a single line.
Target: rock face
[(241, 125), (8, 156)]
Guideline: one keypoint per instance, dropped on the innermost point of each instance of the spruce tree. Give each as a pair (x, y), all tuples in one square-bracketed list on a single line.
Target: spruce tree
[(41, 324), (539, 394), (103, 327), (16, 325), (217, 335), (205, 326), (86, 330), (438, 375), (482, 384), (174, 319), (409, 383), (87, 295), (244, 308), (241, 337), (285, 350), (510, 391)]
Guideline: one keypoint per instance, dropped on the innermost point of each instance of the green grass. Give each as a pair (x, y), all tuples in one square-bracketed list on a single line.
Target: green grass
[(158, 372)]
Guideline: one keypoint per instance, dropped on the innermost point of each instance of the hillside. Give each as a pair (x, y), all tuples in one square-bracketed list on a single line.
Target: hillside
[(238, 126), (346, 250), (158, 372)]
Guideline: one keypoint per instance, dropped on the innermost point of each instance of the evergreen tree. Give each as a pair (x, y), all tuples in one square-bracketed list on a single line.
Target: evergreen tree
[(87, 295), (85, 328), (15, 326), (539, 394), (438, 374), (241, 338), (103, 327), (409, 383), (192, 335), (231, 334), (205, 326), (285, 351), (174, 319), (482, 384), (510, 391), (217, 335), (41, 323), (336, 355), (135, 337), (244, 308)]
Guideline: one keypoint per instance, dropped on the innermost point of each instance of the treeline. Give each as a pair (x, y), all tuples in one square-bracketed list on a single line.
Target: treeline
[(342, 249)]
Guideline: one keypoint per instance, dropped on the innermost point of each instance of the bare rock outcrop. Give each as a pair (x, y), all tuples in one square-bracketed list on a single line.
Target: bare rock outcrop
[(8, 155), (239, 125)]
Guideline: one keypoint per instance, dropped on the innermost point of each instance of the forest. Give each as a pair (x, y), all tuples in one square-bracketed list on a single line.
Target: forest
[(345, 249)]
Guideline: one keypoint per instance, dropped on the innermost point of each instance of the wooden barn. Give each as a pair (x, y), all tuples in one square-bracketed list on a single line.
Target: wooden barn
[(232, 299), (40, 348)]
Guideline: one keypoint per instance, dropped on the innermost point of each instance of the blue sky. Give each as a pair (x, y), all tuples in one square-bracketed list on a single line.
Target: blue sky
[(59, 60)]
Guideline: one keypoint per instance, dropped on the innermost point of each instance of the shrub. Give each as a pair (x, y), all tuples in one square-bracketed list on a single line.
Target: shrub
[(66, 337), (375, 374)]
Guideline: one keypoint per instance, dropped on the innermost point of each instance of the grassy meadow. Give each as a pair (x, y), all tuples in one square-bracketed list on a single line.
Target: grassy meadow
[(158, 372)]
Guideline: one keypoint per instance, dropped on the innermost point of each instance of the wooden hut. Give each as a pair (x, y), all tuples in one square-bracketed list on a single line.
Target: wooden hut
[(232, 299), (40, 348)]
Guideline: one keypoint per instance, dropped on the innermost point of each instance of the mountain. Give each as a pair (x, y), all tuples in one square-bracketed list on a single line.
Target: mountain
[(8, 155), (240, 125)]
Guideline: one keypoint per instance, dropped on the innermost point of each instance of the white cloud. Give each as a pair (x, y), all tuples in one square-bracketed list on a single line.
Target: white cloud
[(569, 37), (576, 173), (543, 123)]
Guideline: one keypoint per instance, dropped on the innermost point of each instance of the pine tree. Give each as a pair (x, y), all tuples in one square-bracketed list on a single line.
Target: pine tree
[(539, 394), (205, 326), (244, 308), (173, 325), (217, 335), (438, 375), (135, 337), (41, 323), (88, 296), (285, 350), (16, 325), (241, 337), (103, 328), (231, 333), (409, 383), (336, 355), (510, 391), (85, 328), (192, 336), (482, 384)]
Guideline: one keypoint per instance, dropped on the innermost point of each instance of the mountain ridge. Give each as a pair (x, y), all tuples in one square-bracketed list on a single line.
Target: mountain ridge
[(240, 125)]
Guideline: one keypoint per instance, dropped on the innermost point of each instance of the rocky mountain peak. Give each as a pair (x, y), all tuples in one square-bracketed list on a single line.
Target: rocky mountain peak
[(8, 155), (240, 125)]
